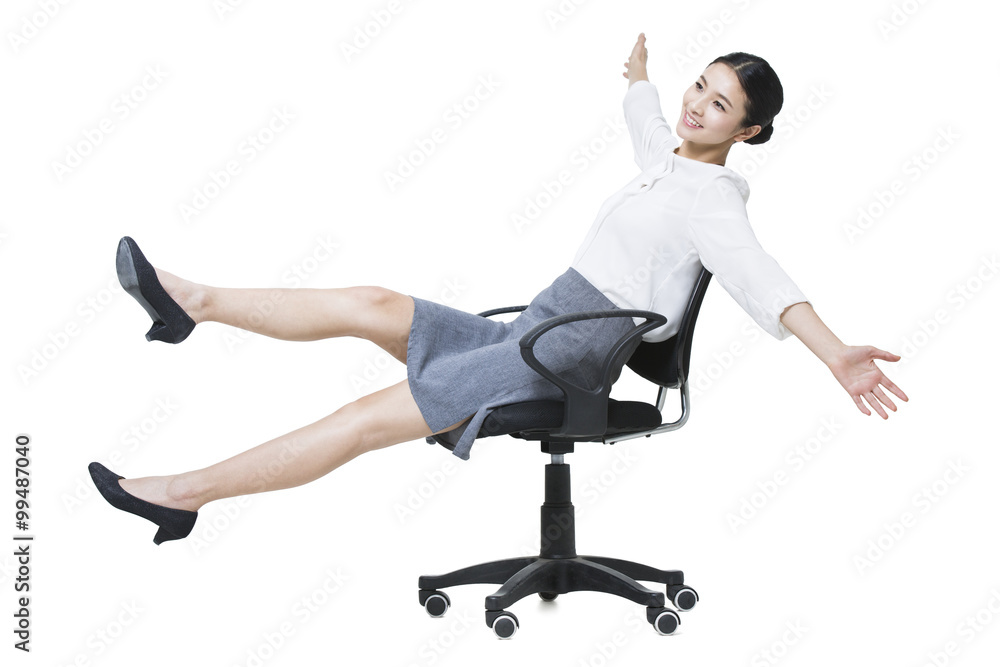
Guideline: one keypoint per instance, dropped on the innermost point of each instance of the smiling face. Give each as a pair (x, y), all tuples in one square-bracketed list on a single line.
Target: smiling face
[(717, 104)]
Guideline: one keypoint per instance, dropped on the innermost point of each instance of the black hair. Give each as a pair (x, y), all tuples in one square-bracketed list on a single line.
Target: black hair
[(762, 89)]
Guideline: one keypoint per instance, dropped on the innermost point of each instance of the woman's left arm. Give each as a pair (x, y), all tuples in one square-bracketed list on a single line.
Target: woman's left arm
[(852, 365)]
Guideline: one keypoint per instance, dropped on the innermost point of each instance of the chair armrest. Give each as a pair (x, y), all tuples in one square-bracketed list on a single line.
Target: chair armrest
[(586, 410), (497, 311)]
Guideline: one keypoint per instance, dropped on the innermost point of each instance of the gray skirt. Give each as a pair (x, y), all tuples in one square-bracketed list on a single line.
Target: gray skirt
[(459, 364)]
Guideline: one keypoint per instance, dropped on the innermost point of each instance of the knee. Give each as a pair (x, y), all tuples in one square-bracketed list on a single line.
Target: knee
[(384, 317), (373, 296), (357, 426)]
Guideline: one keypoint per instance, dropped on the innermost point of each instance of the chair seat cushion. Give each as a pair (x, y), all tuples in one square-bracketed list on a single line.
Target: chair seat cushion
[(534, 420)]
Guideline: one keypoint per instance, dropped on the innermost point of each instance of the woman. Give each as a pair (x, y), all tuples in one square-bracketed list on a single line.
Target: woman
[(460, 365)]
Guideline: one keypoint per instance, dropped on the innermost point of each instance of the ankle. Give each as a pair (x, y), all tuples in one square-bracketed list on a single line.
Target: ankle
[(193, 298), (199, 302), (184, 490)]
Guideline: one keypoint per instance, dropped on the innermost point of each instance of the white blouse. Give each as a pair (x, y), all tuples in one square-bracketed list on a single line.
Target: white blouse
[(652, 237)]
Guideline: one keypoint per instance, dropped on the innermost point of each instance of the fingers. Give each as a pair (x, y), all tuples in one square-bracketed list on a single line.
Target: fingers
[(872, 401), (887, 383), (884, 381), (876, 395), (885, 399), (640, 44), (876, 353), (638, 52), (882, 354)]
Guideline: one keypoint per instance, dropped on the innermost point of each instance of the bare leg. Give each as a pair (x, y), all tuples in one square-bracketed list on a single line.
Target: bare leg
[(378, 314), (380, 419)]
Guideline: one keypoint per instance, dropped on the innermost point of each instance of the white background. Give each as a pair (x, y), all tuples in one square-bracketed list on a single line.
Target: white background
[(861, 102)]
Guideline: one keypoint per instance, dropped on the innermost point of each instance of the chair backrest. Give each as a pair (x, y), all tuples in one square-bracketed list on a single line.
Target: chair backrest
[(666, 363)]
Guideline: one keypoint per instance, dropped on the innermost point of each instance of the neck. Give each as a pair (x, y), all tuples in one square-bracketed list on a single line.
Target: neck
[(710, 153)]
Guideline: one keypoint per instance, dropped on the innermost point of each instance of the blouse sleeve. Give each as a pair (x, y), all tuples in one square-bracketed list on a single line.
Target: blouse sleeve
[(720, 232), (652, 137)]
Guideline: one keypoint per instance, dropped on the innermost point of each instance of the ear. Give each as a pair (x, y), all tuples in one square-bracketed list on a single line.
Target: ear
[(746, 133)]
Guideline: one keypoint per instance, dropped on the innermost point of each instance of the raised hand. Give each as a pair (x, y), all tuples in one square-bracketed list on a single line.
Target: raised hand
[(857, 373), (635, 66)]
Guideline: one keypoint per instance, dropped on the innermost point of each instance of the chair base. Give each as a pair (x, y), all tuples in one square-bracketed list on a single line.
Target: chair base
[(558, 569), (526, 576)]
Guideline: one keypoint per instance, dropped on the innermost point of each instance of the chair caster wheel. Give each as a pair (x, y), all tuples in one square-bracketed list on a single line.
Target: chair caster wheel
[(665, 621), (548, 596), (436, 603), (683, 597), (503, 623)]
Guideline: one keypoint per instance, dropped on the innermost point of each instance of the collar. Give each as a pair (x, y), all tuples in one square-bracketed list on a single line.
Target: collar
[(661, 169)]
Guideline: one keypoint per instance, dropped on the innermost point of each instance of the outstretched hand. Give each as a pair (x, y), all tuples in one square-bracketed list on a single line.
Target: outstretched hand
[(856, 371), (635, 66)]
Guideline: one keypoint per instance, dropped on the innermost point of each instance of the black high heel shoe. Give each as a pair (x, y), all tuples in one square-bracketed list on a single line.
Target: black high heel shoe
[(170, 323), (174, 523)]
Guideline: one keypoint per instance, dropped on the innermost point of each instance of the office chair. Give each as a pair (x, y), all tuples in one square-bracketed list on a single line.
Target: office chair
[(586, 415)]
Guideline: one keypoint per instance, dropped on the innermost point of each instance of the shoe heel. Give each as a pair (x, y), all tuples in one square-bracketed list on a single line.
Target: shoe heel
[(162, 332), (163, 535)]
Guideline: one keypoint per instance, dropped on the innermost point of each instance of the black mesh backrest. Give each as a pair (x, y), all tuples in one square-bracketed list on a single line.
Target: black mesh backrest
[(666, 363)]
